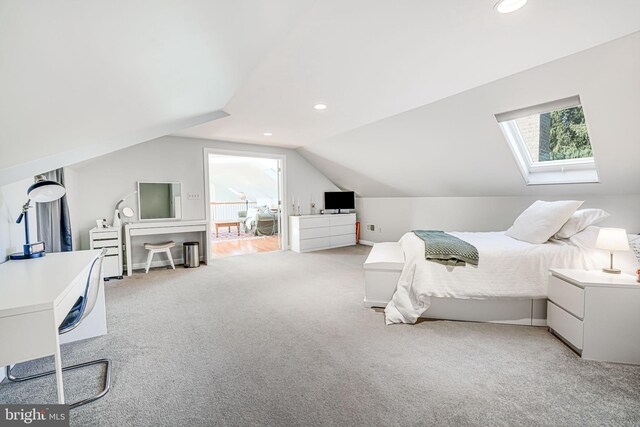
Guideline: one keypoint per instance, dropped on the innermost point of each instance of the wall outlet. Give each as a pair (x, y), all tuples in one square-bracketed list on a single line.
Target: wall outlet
[(371, 227), (193, 196)]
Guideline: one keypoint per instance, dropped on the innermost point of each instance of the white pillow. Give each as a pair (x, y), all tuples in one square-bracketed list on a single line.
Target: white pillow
[(542, 220), (579, 221)]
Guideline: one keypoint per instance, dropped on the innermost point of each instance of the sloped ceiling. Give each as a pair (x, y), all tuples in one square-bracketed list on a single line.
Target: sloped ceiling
[(81, 78), (371, 59), (454, 147)]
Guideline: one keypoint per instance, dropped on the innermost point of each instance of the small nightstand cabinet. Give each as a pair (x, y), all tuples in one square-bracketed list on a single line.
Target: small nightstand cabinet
[(110, 238), (596, 313)]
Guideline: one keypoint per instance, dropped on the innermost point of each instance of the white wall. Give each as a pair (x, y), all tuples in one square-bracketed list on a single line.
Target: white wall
[(12, 197), (96, 185), (394, 216)]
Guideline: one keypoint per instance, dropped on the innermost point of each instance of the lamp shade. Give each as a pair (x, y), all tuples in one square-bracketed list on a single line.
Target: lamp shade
[(45, 191), (613, 239)]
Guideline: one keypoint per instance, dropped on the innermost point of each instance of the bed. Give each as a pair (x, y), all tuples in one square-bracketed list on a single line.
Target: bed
[(509, 282), (510, 270)]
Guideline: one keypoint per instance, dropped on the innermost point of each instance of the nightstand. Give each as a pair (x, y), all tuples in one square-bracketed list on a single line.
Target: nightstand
[(597, 314)]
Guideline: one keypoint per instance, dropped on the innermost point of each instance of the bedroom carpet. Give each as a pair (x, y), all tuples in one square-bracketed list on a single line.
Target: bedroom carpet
[(281, 339)]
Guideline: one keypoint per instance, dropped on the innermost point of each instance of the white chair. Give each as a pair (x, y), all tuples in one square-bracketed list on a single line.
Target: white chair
[(81, 309), (155, 248)]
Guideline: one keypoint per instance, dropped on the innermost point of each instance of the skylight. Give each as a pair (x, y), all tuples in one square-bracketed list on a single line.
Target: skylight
[(550, 142)]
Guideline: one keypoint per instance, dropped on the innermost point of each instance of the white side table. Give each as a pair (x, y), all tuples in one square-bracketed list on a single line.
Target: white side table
[(110, 238), (596, 313)]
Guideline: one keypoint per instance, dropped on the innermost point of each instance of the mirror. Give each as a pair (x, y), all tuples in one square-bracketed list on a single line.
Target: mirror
[(159, 200), (127, 212)]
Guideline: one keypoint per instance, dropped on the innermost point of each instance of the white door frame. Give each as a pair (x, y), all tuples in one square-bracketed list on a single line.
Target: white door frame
[(283, 221)]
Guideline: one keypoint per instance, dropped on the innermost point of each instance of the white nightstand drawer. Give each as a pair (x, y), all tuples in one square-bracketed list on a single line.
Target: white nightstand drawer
[(566, 325), (567, 296)]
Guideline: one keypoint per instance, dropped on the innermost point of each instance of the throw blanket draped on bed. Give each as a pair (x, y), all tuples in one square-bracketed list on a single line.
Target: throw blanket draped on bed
[(446, 249)]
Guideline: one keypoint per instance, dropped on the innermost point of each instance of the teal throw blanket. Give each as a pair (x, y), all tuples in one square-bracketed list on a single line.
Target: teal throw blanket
[(446, 249)]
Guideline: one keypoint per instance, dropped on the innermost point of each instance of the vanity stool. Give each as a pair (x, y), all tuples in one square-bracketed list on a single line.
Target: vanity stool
[(154, 248)]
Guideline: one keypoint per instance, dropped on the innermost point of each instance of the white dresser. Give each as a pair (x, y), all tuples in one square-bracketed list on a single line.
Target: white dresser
[(317, 232), (596, 313), (110, 238)]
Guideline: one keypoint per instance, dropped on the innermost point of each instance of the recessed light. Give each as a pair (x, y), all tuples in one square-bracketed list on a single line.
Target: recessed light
[(267, 134), (320, 106), (508, 6)]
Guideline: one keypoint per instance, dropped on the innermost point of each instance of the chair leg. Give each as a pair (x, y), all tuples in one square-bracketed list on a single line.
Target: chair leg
[(105, 388), (149, 259), (170, 258)]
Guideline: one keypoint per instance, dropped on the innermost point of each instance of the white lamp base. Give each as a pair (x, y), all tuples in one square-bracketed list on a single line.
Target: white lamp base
[(612, 270)]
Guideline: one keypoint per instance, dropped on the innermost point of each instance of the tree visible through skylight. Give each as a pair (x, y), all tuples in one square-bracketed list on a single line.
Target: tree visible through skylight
[(557, 135)]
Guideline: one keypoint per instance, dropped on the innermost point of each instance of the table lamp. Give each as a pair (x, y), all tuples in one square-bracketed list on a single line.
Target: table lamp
[(612, 239), (41, 191)]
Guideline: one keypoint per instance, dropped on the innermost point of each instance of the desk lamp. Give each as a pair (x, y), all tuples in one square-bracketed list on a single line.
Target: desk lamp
[(41, 191), (127, 212), (612, 239)]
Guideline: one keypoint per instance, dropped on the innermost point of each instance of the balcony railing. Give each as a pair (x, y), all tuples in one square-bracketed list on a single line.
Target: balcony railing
[(228, 210)]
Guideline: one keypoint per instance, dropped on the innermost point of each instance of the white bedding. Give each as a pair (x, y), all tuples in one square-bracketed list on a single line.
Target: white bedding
[(508, 268)]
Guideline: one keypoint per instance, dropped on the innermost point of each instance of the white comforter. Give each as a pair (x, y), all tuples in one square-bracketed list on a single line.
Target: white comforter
[(508, 268)]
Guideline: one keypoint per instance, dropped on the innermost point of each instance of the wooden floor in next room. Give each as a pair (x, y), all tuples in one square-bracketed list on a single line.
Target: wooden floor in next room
[(244, 246)]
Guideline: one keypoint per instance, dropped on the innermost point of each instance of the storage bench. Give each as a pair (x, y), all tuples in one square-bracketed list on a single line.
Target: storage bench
[(381, 273)]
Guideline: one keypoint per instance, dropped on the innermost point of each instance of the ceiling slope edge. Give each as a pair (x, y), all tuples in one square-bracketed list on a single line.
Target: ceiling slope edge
[(76, 155)]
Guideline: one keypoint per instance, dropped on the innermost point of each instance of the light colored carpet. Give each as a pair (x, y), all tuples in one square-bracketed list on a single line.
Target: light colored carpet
[(282, 339)]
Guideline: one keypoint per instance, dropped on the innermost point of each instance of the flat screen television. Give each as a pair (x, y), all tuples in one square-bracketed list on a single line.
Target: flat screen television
[(339, 200)]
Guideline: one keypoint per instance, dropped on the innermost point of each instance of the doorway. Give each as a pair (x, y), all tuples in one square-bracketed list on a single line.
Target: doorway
[(244, 200)]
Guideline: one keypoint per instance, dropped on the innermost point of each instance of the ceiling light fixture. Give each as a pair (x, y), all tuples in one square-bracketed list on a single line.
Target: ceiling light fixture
[(267, 134), (320, 106), (508, 6)]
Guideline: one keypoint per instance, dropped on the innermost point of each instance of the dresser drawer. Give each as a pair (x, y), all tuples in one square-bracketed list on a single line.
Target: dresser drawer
[(567, 296), (102, 235), (342, 219), (111, 266), (314, 233), (314, 222), (566, 325), (313, 244), (344, 240), (339, 230), (113, 251), (97, 244)]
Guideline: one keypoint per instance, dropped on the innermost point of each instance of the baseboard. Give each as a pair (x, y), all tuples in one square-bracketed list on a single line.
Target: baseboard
[(366, 243), (371, 304)]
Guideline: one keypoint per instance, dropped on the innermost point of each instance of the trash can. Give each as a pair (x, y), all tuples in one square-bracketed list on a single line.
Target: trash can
[(191, 254)]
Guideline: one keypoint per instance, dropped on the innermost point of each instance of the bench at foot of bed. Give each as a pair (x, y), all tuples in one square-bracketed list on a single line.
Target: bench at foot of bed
[(382, 270)]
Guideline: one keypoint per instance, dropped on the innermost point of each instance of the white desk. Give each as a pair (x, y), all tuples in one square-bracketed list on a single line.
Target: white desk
[(35, 297), (152, 228)]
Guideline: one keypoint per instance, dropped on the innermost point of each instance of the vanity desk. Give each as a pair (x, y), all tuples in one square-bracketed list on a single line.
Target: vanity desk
[(152, 228)]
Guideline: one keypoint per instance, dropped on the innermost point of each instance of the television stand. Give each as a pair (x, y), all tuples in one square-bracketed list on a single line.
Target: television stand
[(317, 232)]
